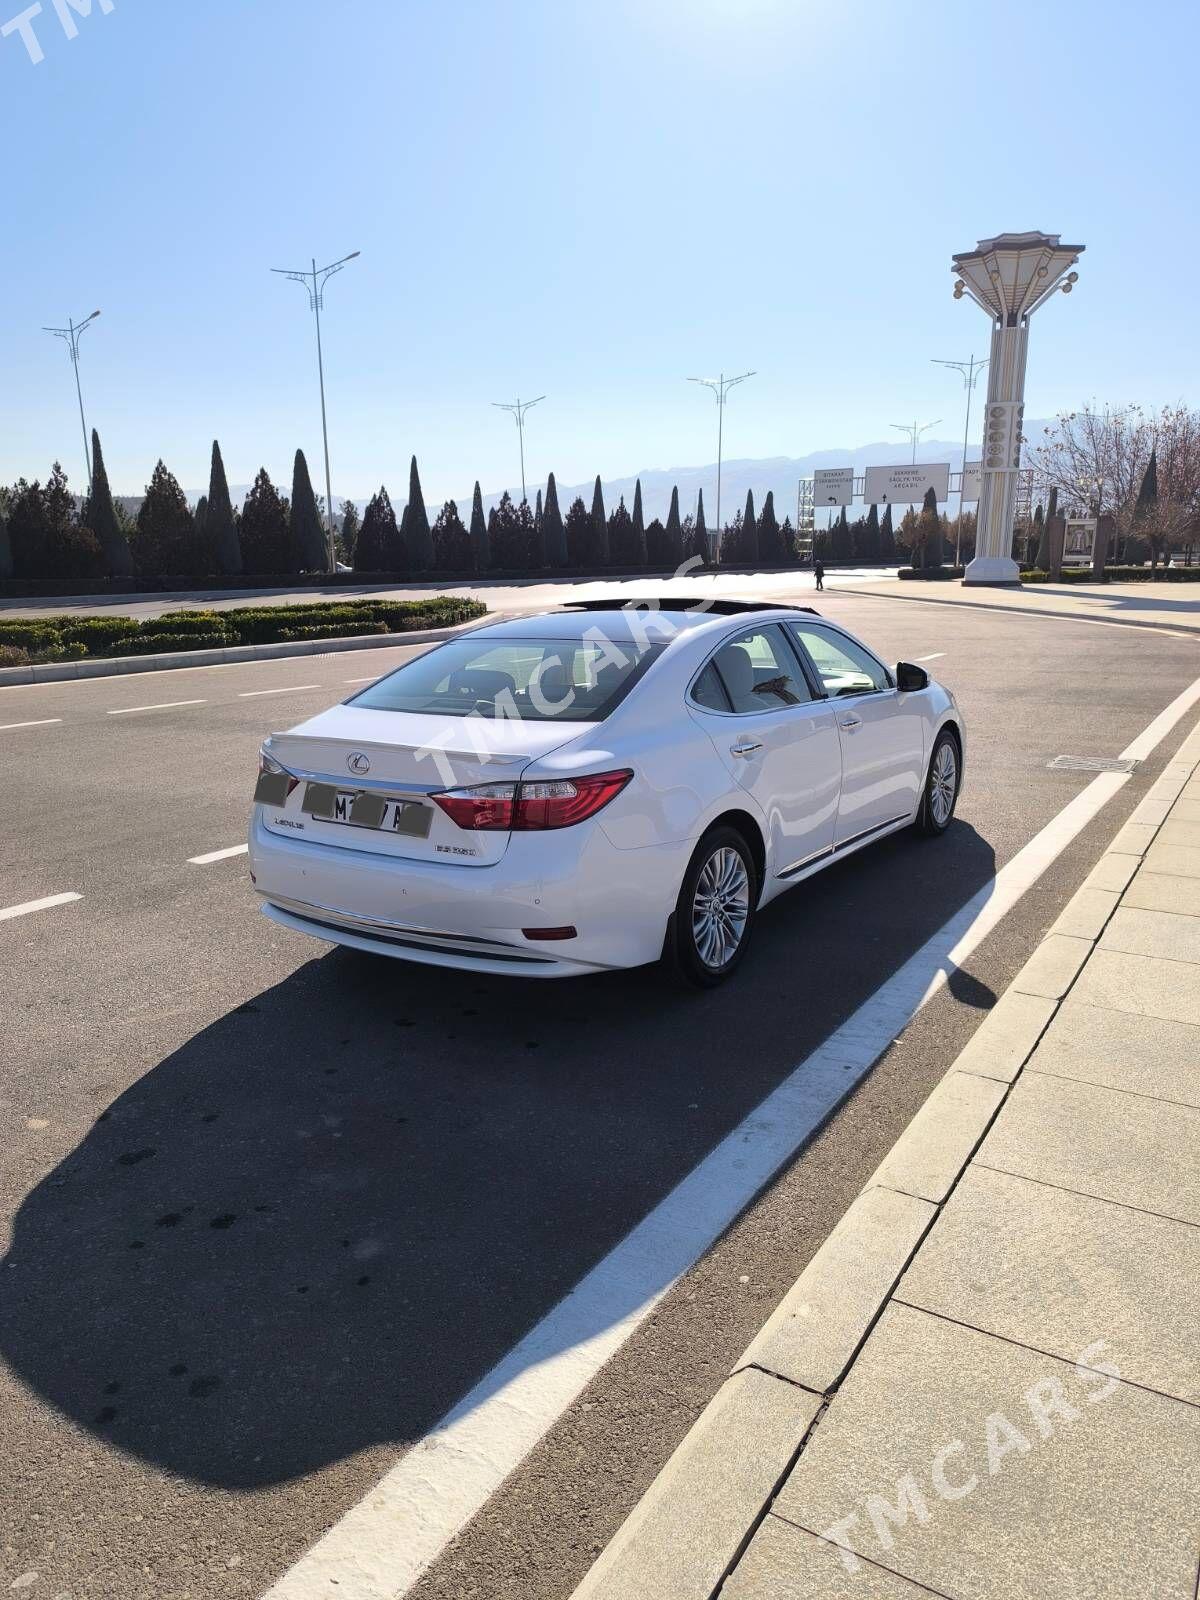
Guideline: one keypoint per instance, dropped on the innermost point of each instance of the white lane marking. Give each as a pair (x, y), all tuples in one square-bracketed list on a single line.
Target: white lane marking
[(166, 705), (362, 680), (936, 656), (380, 1547), (43, 722), (10, 912), (290, 688), (1149, 739), (218, 855)]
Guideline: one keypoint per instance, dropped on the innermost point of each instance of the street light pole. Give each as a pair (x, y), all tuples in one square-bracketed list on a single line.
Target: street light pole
[(720, 387), (914, 430), (314, 281), (970, 371), (1009, 277), (518, 410), (71, 335)]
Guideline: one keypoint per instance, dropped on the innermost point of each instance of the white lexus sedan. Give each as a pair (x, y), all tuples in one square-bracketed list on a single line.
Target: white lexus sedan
[(597, 787)]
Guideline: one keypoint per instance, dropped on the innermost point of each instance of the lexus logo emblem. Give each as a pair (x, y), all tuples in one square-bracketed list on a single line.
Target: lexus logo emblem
[(358, 762)]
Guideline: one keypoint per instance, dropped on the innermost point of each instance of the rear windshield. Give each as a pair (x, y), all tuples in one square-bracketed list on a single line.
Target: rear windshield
[(542, 680)]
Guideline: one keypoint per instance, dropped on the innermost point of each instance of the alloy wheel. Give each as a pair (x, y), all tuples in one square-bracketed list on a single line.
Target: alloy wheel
[(720, 908), (943, 780)]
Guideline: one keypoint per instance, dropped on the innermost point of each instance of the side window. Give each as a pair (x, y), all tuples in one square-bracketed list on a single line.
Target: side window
[(843, 667), (759, 672), (708, 690)]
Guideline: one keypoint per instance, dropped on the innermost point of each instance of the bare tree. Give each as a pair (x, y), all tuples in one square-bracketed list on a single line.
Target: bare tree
[(1097, 459)]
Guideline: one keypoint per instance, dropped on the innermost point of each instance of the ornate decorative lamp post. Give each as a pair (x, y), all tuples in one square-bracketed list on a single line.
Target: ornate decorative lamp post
[(1009, 276)]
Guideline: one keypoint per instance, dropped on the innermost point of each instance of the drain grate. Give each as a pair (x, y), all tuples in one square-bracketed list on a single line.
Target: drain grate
[(1092, 764)]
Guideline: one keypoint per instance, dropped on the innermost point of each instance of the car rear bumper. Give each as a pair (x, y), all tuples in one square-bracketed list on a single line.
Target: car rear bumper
[(474, 918)]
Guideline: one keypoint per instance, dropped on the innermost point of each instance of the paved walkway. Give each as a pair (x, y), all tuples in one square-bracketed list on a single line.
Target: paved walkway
[(1174, 606), (986, 1384)]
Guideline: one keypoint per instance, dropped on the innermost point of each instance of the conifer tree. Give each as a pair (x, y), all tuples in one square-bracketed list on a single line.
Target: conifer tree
[(787, 541), (165, 537), (871, 545), (348, 533), (747, 544), (700, 532), (554, 538), (307, 537), (6, 559), (418, 540), (577, 534), (510, 535), (221, 531), (932, 543), (887, 535), (620, 537), (672, 551), (263, 530), (638, 549), (770, 549), (101, 517), (598, 554), (451, 541), (480, 557), (841, 548)]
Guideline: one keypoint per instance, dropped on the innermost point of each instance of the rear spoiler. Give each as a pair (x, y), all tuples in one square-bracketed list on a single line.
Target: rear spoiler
[(670, 602)]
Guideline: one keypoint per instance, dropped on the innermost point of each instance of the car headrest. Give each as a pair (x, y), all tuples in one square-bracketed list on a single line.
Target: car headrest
[(554, 682), (737, 669), (482, 683)]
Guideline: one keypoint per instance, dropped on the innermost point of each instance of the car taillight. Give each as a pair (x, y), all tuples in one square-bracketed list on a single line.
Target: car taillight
[(275, 783), (532, 807)]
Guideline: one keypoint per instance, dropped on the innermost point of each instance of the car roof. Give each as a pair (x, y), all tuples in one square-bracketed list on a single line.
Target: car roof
[(629, 621)]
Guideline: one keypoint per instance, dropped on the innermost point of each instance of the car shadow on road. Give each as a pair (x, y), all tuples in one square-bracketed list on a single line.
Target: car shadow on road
[(314, 1227)]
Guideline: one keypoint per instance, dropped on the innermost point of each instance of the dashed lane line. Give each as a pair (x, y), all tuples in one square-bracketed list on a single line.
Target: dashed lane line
[(42, 722), (288, 688), (166, 705), (936, 656), (11, 912), (218, 855)]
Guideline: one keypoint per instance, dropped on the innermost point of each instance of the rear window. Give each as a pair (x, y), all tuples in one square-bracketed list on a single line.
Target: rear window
[(541, 680)]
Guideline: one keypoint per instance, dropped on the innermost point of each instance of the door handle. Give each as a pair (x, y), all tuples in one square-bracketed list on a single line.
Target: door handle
[(849, 721), (745, 747)]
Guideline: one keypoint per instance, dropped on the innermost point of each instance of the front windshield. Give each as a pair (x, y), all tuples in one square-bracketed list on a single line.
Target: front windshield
[(539, 680)]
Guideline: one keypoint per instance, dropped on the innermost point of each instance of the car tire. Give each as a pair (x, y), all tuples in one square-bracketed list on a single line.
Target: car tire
[(942, 783), (714, 914)]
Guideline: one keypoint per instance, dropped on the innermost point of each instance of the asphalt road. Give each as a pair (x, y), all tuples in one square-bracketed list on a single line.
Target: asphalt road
[(269, 1210)]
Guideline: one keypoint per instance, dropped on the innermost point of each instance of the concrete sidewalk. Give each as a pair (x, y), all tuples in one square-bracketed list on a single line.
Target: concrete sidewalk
[(1169, 607), (986, 1384)]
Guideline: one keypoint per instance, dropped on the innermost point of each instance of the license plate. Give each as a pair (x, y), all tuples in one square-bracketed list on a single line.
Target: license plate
[(363, 809)]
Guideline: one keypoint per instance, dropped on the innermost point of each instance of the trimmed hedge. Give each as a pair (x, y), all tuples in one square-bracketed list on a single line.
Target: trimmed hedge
[(65, 638), (1118, 575), (155, 644)]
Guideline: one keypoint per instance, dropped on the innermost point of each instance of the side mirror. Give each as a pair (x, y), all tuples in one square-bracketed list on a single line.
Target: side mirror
[(910, 678)]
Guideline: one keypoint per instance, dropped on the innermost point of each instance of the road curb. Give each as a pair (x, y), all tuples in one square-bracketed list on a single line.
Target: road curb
[(812, 1339), (119, 666)]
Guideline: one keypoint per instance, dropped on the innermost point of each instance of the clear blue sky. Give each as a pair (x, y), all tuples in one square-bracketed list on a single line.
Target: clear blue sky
[(591, 200)]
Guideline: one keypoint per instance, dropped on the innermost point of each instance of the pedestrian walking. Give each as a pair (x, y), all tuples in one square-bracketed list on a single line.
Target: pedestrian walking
[(819, 570)]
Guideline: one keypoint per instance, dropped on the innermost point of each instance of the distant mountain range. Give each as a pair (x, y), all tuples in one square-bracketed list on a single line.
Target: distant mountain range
[(780, 474)]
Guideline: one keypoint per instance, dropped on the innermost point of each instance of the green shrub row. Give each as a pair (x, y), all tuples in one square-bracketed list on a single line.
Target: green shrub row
[(64, 638), (1118, 575)]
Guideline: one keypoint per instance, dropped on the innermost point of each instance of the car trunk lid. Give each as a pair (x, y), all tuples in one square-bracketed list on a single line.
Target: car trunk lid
[(401, 759)]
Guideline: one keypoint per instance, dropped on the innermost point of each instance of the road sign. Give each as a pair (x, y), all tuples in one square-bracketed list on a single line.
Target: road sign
[(907, 485), (972, 483), (833, 486)]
